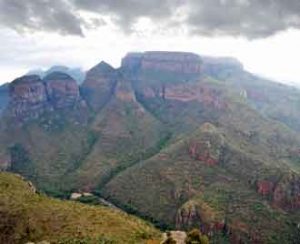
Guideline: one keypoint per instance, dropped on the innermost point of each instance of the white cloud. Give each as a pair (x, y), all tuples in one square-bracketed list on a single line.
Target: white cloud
[(275, 57)]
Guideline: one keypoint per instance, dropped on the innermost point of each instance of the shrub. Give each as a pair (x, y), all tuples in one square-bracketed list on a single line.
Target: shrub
[(169, 239), (195, 237)]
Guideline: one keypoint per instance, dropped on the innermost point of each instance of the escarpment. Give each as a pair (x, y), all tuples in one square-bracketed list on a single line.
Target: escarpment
[(181, 139), (178, 62), (30, 96)]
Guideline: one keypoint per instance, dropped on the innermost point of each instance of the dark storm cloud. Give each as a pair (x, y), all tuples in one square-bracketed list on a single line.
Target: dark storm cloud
[(249, 18), (44, 15), (126, 12)]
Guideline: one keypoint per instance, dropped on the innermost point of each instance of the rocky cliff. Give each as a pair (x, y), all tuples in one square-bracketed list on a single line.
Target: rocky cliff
[(30, 96), (62, 90), (144, 150), (178, 62), (99, 85)]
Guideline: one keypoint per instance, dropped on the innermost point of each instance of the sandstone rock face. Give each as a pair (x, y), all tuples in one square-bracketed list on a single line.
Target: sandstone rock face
[(201, 151), (265, 187), (207, 148), (195, 214), (99, 85), (178, 62), (28, 97), (124, 91), (188, 217), (287, 192), (132, 61), (62, 90)]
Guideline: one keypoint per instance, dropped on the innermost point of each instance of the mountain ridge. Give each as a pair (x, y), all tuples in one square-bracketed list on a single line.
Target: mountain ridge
[(170, 136)]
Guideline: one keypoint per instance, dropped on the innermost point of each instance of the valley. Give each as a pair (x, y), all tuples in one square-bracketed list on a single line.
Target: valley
[(180, 140)]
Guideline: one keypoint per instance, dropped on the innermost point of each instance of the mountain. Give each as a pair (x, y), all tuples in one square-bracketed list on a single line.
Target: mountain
[(179, 139), (27, 216), (76, 73)]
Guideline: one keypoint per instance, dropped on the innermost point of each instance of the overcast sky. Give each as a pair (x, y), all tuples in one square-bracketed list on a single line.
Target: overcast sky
[(263, 35)]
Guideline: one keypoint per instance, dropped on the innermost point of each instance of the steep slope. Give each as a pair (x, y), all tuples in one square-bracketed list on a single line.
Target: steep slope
[(26, 216), (245, 166), (184, 140), (99, 85), (44, 132), (126, 133), (60, 146), (274, 100), (209, 181)]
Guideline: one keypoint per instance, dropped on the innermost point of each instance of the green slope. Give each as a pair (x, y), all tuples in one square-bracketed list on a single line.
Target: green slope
[(183, 151), (126, 133), (223, 174), (27, 216), (180, 190)]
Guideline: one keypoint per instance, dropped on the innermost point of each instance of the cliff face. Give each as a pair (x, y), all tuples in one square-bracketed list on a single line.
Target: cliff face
[(99, 85), (62, 90), (236, 165), (30, 96), (178, 62)]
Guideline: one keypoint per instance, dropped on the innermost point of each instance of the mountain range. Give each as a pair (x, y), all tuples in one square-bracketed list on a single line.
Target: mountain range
[(181, 140)]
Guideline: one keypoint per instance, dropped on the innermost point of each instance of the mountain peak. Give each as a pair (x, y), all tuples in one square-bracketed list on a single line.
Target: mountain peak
[(103, 68)]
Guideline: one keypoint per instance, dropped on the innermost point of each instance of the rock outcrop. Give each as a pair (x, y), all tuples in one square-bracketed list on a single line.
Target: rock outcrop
[(62, 90), (99, 85), (265, 187), (283, 193), (30, 96), (206, 148), (197, 214), (287, 192), (178, 62)]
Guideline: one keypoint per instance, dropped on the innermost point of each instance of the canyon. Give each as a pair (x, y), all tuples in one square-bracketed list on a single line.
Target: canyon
[(182, 140)]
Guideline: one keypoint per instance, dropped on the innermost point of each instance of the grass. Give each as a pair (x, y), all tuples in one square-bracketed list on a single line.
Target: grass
[(27, 216)]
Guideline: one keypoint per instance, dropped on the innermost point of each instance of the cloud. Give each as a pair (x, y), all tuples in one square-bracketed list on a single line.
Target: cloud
[(126, 12), (246, 18), (40, 15), (250, 18)]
